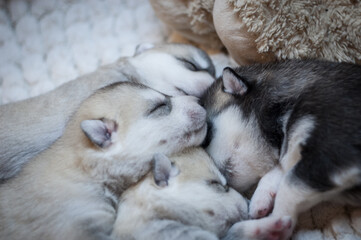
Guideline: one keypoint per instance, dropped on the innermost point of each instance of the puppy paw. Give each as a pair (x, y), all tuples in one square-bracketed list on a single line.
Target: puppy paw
[(273, 229), (261, 204), (270, 228)]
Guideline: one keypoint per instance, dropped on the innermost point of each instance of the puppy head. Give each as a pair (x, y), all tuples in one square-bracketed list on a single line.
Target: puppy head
[(189, 188), (234, 139), (131, 120), (182, 69)]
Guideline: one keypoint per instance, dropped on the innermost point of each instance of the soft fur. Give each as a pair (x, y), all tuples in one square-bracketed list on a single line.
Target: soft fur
[(305, 115), (30, 126), (185, 197), (67, 191)]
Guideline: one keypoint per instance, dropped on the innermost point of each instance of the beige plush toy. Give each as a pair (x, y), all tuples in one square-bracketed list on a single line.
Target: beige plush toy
[(261, 31)]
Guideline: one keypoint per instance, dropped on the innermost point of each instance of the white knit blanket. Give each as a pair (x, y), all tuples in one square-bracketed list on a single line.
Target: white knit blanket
[(45, 43)]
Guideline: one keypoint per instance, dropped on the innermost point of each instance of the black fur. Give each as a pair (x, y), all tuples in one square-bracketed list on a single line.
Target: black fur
[(330, 92)]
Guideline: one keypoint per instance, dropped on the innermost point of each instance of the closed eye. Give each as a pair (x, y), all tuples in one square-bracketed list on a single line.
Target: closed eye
[(157, 106), (188, 64), (218, 185), (160, 108)]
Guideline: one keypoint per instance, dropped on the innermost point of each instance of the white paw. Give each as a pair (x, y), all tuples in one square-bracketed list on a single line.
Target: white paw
[(261, 203), (273, 228)]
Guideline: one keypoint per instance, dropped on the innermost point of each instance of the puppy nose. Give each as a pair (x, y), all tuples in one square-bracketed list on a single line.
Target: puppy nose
[(197, 114), (197, 117)]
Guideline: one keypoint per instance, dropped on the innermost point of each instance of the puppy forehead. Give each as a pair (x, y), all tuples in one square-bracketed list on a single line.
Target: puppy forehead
[(151, 95), (198, 165), (216, 100)]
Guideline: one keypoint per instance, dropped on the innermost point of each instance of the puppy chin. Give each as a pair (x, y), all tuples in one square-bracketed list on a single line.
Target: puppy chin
[(196, 137)]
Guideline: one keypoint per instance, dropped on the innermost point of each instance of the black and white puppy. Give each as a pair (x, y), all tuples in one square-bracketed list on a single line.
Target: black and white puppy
[(295, 124)]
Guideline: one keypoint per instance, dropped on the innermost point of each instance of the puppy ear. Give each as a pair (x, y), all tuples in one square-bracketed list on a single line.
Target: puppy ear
[(163, 169), (99, 131), (142, 48), (233, 83)]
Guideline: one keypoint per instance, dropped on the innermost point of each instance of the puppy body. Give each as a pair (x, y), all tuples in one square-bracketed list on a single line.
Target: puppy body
[(304, 113), (30, 126), (70, 190), (184, 197)]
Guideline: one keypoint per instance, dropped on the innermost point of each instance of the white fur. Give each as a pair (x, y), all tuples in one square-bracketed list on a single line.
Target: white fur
[(238, 143), (182, 79), (294, 197), (263, 198), (266, 228), (297, 136), (347, 177)]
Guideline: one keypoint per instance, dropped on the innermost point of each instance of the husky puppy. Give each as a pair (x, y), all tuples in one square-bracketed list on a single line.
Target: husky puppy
[(185, 197), (30, 126), (303, 117), (108, 144)]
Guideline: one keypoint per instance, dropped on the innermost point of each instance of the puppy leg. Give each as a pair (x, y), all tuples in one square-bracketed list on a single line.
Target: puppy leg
[(294, 197), (271, 228), (263, 198)]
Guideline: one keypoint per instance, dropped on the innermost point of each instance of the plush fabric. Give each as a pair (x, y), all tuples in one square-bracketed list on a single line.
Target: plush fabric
[(261, 31), (240, 43), (303, 29), (191, 18)]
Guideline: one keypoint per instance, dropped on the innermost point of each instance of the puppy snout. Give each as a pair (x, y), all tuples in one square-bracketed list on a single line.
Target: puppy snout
[(197, 115)]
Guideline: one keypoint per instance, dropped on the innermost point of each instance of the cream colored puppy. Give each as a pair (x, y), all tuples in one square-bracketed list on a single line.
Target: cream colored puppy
[(186, 197), (66, 192), (30, 126)]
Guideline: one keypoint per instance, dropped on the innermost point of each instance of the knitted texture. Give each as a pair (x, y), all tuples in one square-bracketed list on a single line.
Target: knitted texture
[(45, 43)]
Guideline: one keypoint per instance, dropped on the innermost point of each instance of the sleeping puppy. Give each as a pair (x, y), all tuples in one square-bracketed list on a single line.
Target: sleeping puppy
[(30, 126), (186, 197), (298, 124), (66, 191)]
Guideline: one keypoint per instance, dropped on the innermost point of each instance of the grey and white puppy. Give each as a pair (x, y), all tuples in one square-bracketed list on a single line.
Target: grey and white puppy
[(297, 124), (70, 190), (30, 126)]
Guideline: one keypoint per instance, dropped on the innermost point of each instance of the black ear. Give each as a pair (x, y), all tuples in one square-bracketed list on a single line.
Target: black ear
[(99, 131), (142, 48), (163, 169), (233, 83)]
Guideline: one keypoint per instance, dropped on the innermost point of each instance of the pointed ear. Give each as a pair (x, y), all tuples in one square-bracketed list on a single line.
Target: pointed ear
[(99, 131), (233, 83), (163, 169), (142, 48)]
